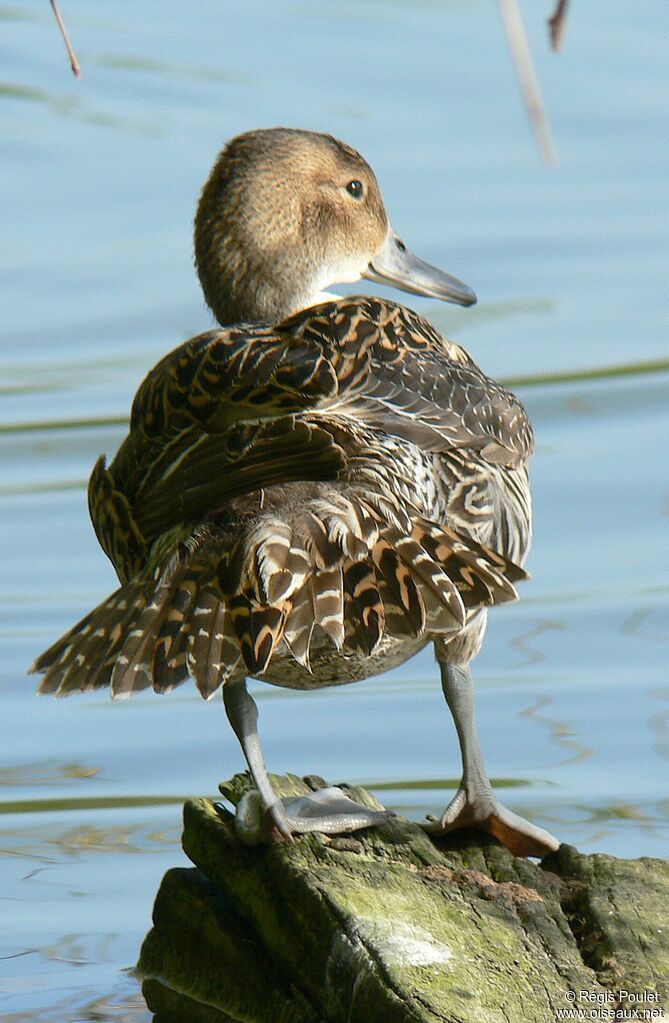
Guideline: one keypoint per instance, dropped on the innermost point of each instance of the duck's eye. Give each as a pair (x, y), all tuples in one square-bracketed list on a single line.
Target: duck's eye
[(355, 189)]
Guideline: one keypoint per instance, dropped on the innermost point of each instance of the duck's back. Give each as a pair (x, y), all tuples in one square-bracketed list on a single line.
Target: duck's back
[(307, 503)]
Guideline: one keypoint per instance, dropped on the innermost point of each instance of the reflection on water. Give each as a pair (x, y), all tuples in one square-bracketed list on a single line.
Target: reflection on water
[(64, 106), (562, 733), (524, 642), (126, 1005), (44, 772), (172, 69), (75, 842), (98, 283)]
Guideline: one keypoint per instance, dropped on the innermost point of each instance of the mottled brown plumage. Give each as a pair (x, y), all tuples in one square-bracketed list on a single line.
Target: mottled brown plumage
[(307, 501), (201, 499)]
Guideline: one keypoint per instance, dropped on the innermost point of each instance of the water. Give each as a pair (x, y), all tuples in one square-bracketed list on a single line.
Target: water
[(99, 181)]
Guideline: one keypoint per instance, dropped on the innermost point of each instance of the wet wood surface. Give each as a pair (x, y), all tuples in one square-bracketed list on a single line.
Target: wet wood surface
[(388, 924)]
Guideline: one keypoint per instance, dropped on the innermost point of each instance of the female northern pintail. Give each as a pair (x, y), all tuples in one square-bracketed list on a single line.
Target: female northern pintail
[(314, 492)]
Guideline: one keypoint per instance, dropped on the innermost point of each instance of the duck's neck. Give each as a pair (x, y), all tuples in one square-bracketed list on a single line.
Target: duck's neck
[(241, 293), (321, 296), (264, 308), (246, 278)]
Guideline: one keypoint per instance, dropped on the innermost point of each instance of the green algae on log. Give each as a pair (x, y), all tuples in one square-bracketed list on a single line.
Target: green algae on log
[(390, 925)]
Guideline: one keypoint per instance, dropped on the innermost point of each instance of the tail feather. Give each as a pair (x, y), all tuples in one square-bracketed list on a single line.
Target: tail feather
[(168, 667), (103, 677), (336, 566), (77, 661), (213, 652), (328, 603), (351, 525), (398, 588), (480, 575), (276, 568), (299, 625), (171, 674), (58, 651), (365, 617), (321, 547), (132, 670), (258, 630), (438, 591)]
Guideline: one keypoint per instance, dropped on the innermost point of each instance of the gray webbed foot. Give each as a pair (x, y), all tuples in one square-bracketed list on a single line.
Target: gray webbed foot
[(483, 811), (329, 811), (474, 804), (260, 816)]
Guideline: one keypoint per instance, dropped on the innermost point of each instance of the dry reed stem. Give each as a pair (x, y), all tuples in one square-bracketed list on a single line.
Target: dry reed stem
[(74, 63), (527, 79), (556, 24)]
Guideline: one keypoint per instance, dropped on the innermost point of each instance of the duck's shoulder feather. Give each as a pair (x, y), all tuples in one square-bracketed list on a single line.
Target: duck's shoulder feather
[(237, 409), (384, 359), (399, 374)]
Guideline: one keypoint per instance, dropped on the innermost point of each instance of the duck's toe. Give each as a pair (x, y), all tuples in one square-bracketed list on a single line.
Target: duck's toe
[(328, 810), (483, 811)]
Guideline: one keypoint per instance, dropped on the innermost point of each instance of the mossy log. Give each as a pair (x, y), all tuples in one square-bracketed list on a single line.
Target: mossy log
[(391, 926)]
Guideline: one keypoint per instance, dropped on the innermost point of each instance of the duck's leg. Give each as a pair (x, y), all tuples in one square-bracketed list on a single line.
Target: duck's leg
[(474, 804), (328, 810)]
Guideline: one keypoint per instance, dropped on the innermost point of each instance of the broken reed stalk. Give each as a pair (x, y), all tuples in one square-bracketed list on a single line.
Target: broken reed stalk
[(74, 63), (520, 53), (529, 85), (556, 24)]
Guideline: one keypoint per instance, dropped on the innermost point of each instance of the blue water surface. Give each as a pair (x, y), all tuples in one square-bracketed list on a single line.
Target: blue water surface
[(99, 180)]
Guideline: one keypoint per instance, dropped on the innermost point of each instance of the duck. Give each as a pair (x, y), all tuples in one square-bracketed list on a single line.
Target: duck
[(314, 491)]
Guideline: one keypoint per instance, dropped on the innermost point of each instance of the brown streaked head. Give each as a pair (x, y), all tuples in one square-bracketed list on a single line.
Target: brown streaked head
[(287, 213)]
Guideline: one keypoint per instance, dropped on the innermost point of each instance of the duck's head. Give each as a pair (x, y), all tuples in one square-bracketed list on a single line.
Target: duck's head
[(286, 214)]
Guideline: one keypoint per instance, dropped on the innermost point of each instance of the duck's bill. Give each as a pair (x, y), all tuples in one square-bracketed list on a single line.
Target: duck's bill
[(394, 264)]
